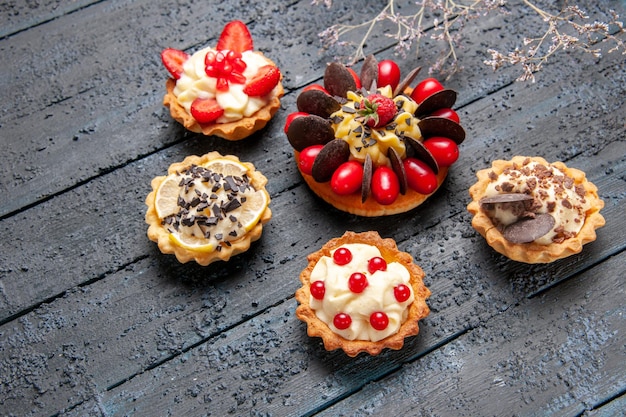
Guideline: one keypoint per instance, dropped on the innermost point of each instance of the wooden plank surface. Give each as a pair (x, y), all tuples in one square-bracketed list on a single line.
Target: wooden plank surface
[(95, 321)]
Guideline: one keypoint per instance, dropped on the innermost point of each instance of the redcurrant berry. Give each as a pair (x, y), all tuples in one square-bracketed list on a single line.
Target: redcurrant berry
[(342, 256), (318, 290), (376, 264), (402, 293), (342, 321), (357, 282), (379, 320)]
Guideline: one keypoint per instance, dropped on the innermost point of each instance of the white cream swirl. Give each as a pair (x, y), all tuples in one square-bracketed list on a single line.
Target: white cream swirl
[(378, 296), (195, 83)]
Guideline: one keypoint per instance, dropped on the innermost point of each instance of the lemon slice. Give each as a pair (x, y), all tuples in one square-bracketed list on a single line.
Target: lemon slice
[(227, 167), (166, 202), (198, 244), (252, 209)]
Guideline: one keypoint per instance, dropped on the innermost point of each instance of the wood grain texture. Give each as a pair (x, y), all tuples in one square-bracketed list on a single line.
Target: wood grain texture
[(95, 321)]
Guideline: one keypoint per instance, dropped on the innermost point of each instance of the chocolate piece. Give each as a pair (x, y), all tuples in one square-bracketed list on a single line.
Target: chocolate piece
[(305, 131), (406, 81), (506, 198), (369, 73), (333, 154), (317, 102), (443, 99), (338, 80), (367, 178), (398, 168), (440, 126), (529, 229), (422, 153)]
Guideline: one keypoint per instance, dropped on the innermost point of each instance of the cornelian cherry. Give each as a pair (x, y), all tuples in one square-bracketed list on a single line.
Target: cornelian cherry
[(448, 114), (401, 292), (419, 176), (385, 185), (379, 320), (357, 282), (292, 116), (376, 264), (342, 321), (425, 89), (318, 289), (342, 256), (444, 150), (347, 179), (307, 157)]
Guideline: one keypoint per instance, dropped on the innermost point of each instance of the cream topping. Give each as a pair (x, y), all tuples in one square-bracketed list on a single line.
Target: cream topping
[(209, 207), (378, 296), (365, 140), (194, 83), (553, 193)]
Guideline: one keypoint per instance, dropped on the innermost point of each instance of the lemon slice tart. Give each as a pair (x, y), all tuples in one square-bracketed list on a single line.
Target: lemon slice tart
[(207, 208)]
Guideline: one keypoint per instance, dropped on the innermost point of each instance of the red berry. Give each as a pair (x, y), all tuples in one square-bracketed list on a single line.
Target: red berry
[(318, 290), (315, 87), (444, 150), (342, 321), (357, 282), (379, 320), (357, 80), (385, 185), (347, 179), (425, 89), (342, 256), (307, 157), (173, 60), (448, 114), (388, 74), (292, 116), (376, 264), (235, 37), (206, 110), (263, 81), (419, 176), (226, 66), (401, 292), (377, 110)]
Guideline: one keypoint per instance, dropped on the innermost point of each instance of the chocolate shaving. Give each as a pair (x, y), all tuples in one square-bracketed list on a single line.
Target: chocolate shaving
[(505, 198), (529, 229)]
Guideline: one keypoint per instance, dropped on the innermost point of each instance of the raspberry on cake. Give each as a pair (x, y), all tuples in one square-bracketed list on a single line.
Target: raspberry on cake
[(361, 294), (229, 91), (371, 145), (535, 212)]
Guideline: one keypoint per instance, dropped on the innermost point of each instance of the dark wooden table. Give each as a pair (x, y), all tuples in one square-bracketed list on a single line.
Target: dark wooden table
[(94, 320)]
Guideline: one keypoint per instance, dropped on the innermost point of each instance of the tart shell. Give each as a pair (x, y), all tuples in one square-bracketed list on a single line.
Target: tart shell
[(533, 253), (157, 233), (370, 208), (233, 131), (389, 251)]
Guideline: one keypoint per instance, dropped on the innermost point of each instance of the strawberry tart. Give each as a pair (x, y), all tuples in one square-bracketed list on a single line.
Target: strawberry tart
[(370, 144), (361, 294), (230, 91)]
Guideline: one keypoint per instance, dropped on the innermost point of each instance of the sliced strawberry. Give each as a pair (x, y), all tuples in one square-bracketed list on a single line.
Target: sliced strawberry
[(263, 81), (173, 60), (206, 110), (235, 37)]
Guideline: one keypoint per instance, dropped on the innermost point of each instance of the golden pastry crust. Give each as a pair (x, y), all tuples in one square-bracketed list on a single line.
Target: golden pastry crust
[(159, 234), (370, 208), (534, 252), (233, 131), (389, 251)]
